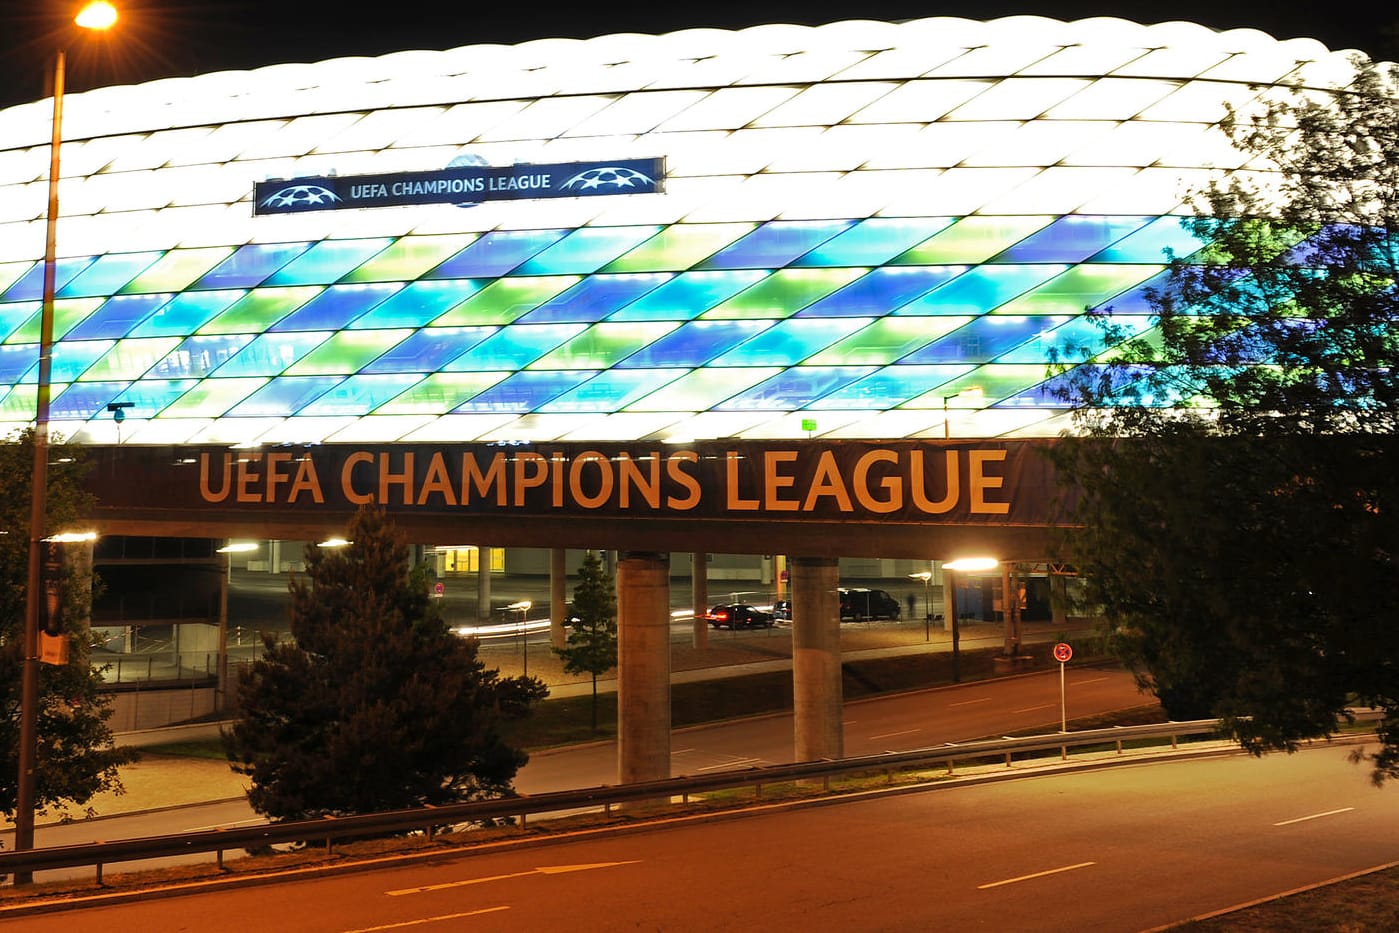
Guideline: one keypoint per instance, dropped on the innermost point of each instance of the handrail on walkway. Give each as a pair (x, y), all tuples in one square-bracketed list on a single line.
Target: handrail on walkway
[(329, 829)]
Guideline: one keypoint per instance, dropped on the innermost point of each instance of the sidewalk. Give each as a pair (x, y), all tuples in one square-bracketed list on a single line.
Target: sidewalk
[(158, 781)]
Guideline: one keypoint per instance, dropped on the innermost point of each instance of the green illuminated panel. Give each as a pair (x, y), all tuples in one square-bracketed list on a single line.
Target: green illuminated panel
[(259, 310), (972, 240), (993, 381), (212, 397), (679, 247), (130, 359), (68, 313), (704, 388), (604, 345), (886, 340), (1086, 286), (410, 258), (783, 293), (347, 352), (440, 393), (504, 300), (175, 270), (19, 404)]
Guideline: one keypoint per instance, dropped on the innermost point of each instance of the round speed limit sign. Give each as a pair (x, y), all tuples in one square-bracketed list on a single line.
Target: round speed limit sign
[(1062, 652)]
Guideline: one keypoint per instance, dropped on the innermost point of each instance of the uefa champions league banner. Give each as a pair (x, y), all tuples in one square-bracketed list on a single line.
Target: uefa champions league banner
[(463, 185)]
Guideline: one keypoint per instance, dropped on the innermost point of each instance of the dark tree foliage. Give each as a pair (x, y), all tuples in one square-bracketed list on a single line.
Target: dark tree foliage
[(1235, 519), (75, 759), (376, 704), (592, 642)]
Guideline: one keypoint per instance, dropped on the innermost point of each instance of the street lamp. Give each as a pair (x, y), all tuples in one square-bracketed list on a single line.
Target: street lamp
[(975, 392), (97, 16), (523, 606), (927, 577)]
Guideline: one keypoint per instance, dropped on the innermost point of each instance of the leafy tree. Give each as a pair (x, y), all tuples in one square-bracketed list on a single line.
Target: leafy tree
[(75, 759), (377, 705), (592, 641), (1235, 518)]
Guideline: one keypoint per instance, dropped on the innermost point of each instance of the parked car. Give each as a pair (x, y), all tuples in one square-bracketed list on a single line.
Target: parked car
[(859, 604), (738, 615), (782, 610)]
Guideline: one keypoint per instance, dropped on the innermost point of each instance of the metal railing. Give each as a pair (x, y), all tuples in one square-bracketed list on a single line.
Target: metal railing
[(427, 819)]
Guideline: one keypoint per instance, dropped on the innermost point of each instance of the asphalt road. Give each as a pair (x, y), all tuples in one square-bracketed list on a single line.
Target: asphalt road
[(892, 723), (1127, 849)]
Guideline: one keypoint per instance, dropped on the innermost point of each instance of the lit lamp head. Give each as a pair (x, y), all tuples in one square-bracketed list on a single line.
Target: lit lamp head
[(971, 564), (98, 16)]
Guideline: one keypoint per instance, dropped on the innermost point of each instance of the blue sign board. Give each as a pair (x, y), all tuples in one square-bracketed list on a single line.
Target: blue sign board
[(464, 185)]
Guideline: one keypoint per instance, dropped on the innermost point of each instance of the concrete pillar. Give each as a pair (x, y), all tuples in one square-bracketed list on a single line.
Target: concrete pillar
[(699, 589), (643, 666), (816, 680), (483, 584), (558, 596)]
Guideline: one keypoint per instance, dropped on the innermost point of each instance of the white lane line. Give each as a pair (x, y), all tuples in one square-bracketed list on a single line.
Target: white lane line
[(1314, 816), (682, 751), (969, 702), (890, 735), (1080, 683), (414, 923), (736, 763), (200, 829), (1038, 874), (1031, 709)]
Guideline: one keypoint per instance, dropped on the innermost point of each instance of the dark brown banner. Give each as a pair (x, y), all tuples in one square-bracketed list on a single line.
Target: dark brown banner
[(955, 482)]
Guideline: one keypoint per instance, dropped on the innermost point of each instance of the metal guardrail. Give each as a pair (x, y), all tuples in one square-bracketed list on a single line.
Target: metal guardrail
[(428, 819)]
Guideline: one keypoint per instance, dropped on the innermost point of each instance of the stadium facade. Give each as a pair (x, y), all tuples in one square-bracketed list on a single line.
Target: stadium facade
[(862, 233), (859, 230)]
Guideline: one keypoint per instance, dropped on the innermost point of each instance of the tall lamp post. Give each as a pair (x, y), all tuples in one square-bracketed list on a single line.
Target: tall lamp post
[(97, 16), (523, 606)]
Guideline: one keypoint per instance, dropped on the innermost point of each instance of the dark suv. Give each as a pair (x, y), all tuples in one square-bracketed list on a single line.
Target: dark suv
[(859, 604)]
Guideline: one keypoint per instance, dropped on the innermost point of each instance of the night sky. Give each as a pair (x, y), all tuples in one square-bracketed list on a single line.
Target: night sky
[(163, 38)]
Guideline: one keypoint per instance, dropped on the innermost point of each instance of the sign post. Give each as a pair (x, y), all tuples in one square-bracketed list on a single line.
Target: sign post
[(1062, 653)]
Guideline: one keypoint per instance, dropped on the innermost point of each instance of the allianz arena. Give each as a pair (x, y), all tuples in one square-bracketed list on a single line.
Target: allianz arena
[(858, 230)]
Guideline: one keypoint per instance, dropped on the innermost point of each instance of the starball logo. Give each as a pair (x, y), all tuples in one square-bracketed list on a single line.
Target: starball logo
[(305, 197), (610, 176)]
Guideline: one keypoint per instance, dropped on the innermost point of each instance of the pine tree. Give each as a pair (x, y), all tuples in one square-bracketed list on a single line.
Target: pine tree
[(376, 704), (592, 642), (75, 759)]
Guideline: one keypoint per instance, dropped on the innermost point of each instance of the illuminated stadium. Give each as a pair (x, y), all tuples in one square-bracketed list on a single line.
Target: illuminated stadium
[(859, 230)]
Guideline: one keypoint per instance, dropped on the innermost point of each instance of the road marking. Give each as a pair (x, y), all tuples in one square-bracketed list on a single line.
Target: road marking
[(1038, 874), (682, 751), (413, 923), (547, 870), (200, 829), (969, 702), (1095, 680), (1031, 709), (736, 763), (1314, 816), (890, 735)]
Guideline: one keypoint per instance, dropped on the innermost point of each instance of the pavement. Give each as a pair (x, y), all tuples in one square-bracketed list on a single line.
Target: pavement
[(158, 780)]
